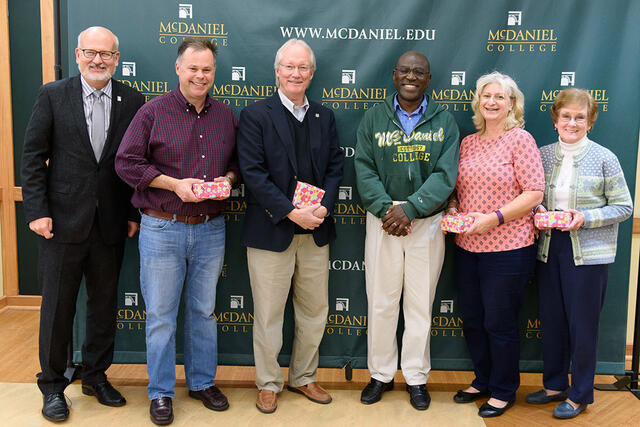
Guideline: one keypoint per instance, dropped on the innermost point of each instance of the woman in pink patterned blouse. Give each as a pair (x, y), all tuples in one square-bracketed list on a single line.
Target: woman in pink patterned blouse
[(500, 179)]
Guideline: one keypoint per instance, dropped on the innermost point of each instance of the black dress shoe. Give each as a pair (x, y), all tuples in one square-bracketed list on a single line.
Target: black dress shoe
[(373, 391), (161, 411), (487, 411), (211, 397), (419, 396), (466, 397), (106, 394), (54, 407)]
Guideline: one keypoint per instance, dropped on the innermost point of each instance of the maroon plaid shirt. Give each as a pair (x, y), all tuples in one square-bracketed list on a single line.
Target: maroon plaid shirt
[(168, 136)]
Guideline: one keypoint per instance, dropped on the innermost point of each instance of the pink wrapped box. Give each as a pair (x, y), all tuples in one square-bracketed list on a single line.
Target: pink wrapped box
[(306, 195), (212, 190), (456, 223), (552, 219)]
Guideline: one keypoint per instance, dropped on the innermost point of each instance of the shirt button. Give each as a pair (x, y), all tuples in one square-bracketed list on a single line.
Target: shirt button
[(200, 136), (204, 176), (203, 156), (198, 116)]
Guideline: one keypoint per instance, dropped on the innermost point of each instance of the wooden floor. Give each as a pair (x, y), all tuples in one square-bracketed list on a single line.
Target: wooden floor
[(20, 400)]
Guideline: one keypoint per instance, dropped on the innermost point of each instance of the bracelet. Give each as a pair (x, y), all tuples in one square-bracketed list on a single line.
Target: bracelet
[(230, 180), (500, 217)]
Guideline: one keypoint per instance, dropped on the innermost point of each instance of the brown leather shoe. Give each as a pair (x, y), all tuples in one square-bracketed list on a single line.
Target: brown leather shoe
[(313, 392), (211, 397), (267, 401), (161, 411)]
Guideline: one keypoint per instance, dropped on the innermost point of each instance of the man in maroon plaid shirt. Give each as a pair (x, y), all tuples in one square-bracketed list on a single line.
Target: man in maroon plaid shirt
[(176, 140)]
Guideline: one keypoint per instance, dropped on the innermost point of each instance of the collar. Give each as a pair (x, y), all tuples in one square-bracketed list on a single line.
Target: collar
[(298, 112), (419, 111), (183, 101), (87, 89)]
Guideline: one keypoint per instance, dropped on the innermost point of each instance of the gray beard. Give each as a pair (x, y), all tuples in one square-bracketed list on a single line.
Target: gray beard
[(88, 78)]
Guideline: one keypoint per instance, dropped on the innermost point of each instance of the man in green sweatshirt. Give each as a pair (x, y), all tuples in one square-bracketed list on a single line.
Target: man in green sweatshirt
[(406, 165)]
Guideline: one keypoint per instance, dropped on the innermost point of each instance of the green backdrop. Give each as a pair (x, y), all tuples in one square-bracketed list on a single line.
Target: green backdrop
[(544, 45)]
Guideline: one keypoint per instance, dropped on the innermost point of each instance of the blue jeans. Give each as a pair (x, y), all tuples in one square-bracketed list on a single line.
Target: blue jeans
[(173, 255)]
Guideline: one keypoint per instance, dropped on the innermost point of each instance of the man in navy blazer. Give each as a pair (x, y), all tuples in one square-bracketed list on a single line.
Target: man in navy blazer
[(80, 210), (284, 140)]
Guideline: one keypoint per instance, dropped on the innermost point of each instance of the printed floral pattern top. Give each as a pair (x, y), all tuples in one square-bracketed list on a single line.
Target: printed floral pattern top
[(491, 173)]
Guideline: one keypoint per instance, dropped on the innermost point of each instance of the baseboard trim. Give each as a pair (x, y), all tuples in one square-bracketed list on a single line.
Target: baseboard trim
[(20, 302)]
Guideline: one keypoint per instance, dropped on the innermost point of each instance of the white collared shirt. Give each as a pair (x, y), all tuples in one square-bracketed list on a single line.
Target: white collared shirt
[(298, 112), (88, 100)]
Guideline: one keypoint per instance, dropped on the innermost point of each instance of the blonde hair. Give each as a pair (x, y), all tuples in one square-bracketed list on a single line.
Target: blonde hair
[(515, 117)]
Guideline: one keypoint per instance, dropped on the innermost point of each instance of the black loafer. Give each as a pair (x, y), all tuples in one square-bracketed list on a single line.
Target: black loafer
[(54, 407), (466, 397), (540, 397), (419, 396), (161, 411), (373, 391), (488, 411), (106, 394)]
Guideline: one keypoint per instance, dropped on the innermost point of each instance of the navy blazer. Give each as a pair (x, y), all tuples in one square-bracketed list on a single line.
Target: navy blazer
[(268, 165), (73, 183)]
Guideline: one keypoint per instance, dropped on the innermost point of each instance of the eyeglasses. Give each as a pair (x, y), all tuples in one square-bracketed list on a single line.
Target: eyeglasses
[(104, 54), (404, 71), (302, 69), (578, 119)]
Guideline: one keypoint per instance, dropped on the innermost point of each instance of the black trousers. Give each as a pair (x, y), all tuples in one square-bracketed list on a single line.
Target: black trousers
[(61, 267)]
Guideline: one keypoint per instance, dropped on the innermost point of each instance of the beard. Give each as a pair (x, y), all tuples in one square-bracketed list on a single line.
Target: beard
[(93, 77)]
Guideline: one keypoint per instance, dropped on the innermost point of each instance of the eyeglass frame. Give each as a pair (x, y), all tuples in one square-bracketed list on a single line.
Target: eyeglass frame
[(98, 52), (418, 74), (568, 118), (290, 68)]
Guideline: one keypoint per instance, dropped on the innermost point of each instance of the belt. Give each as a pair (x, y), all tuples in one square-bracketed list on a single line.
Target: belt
[(195, 219)]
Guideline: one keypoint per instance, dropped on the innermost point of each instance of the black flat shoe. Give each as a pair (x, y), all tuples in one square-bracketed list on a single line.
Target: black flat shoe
[(487, 411), (373, 391), (466, 397), (541, 397)]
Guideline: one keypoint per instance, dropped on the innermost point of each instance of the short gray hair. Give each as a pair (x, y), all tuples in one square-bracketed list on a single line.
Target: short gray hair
[(116, 42), (285, 46)]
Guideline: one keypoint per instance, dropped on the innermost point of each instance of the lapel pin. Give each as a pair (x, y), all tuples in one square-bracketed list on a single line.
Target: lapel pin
[(119, 98), (317, 115)]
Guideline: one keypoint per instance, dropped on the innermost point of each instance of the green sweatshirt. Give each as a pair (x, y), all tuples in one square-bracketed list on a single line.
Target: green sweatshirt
[(420, 168)]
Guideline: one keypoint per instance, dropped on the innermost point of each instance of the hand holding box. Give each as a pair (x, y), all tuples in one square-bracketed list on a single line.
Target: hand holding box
[(306, 195), (212, 190), (552, 219), (457, 223)]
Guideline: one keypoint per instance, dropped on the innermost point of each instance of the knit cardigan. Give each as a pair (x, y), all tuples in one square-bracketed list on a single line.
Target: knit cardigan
[(599, 191)]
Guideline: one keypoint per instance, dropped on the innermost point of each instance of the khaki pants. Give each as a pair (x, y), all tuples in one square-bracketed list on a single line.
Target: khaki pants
[(406, 266), (271, 273)]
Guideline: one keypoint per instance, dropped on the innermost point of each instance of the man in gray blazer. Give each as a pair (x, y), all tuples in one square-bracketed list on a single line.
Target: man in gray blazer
[(76, 203)]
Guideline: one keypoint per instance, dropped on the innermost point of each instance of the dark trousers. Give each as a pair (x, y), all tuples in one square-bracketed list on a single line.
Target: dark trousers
[(571, 298), (490, 289), (60, 270)]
